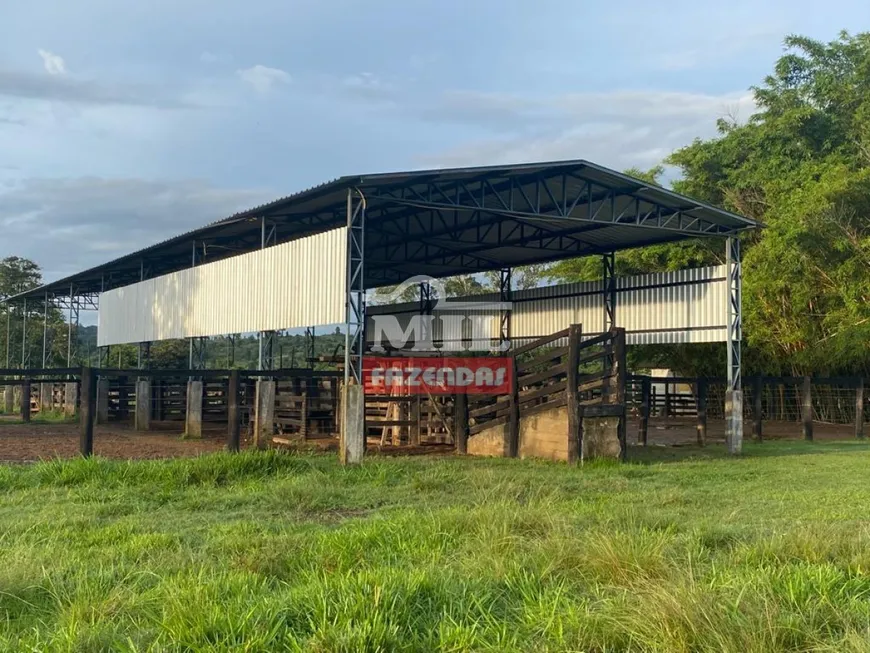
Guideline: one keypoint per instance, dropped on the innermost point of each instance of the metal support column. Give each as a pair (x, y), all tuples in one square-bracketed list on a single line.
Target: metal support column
[(143, 358), (266, 359), (24, 335), (266, 339), (45, 334), (608, 288), (73, 317), (309, 348), (197, 353), (734, 390), (505, 292), (8, 331), (356, 292), (427, 304)]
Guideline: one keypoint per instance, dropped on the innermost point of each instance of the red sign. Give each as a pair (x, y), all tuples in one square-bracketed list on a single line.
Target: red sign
[(444, 376)]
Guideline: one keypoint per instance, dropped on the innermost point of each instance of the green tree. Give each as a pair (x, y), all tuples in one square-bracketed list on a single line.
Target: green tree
[(18, 275), (801, 165)]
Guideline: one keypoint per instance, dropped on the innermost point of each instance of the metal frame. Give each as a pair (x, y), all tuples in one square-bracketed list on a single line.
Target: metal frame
[(735, 312), (266, 356), (143, 356), (197, 353), (542, 206), (309, 347), (608, 289), (355, 305), (505, 295)]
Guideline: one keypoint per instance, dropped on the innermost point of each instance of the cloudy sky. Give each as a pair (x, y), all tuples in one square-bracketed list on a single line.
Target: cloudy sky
[(123, 123)]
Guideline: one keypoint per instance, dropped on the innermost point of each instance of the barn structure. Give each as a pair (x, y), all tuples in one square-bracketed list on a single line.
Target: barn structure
[(309, 259)]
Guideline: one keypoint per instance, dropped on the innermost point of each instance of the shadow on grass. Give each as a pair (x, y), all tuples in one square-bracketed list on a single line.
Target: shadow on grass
[(751, 449)]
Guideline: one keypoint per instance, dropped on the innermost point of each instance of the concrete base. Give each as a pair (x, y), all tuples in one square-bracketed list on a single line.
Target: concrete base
[(264, 420), (734, 421), (70, 398), (102, 400), (352, 433), (143, 405), (9, 399), (193, 419), (600, 438)]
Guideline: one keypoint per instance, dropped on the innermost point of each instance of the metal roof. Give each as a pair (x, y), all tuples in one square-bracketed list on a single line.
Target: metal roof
[(442, 223)]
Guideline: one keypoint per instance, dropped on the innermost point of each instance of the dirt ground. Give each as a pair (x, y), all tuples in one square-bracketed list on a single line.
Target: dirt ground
[(682, 432), (35, 441)]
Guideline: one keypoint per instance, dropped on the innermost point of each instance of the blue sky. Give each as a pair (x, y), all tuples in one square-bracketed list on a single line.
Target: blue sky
[(123, 123)]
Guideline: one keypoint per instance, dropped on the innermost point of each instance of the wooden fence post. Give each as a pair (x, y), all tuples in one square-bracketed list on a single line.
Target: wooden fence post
[(702, 412), (575, 332), (667, 400), (619, 356), (460, 422), (234, 426), (87, 411), (416, 430), (757, 391), (512, 445), (25, 400), (859, 409), (807, 408), (643, 426)]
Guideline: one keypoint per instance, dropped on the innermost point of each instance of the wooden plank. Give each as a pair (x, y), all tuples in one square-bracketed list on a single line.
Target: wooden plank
[(557, 402), (529, 395), (539, 343), (531, 379), (477, 428), (553, 355), (501, 403)]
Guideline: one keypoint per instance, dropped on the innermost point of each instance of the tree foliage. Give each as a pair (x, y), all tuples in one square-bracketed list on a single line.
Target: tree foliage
[(801, 165)]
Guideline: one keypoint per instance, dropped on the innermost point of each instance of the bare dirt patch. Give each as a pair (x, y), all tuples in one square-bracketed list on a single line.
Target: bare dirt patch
[(31, 442)]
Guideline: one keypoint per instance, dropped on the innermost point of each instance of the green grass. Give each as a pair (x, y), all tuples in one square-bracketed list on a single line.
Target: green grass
[(266, 552), (44, 417)]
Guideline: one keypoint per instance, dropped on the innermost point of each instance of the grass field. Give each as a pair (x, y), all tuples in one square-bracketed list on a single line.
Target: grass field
[(266, 552)]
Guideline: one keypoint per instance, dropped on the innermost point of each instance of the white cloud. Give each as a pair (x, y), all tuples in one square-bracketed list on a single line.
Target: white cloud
[(263, 78), (106, 218), (619, 129), (54, 63)]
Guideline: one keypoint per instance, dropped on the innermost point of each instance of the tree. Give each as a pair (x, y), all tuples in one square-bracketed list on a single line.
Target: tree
[(19, 275), (801, 165)]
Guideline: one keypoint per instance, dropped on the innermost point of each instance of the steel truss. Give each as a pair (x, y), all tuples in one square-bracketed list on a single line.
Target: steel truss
[(427, 305), (355, 305), (735, 312), (442, 211), (197, 353), (266, 359), (608, 288), (310, 355), (505, 296), (143, 357)]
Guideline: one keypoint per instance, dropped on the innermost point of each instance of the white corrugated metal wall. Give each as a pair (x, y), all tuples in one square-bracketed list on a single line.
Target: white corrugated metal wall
[(686, 306), (295, 284)]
